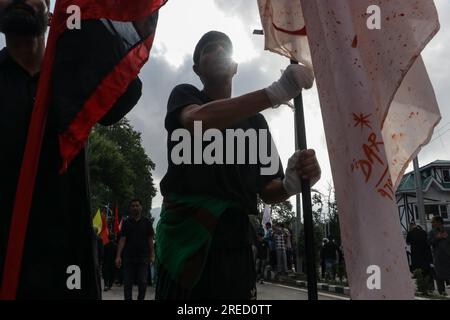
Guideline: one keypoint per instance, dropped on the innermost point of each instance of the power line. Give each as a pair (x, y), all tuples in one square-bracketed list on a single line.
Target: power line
[(440, 135), (442, 127)]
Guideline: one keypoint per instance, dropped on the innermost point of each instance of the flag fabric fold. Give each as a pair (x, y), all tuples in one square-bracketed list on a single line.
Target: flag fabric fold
[(379, 109), (285, 29)]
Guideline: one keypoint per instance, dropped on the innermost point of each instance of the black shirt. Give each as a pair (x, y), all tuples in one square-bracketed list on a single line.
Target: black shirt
[(17, 94), (329, 250), (237, 182), (137, 235), (421, 256)]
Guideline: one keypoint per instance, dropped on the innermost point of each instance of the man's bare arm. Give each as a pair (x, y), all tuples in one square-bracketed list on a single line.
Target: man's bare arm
[(120, 247), (223, 113), (274, 192)]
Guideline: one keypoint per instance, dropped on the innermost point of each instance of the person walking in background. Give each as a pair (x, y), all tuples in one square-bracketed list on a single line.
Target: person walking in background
[(440, 242), (280, 245), (109, 267), (288, 235), (421, 257), (322, 260), (119, 271), (341, 263), (136, 243), (100, 249), (329, 255)]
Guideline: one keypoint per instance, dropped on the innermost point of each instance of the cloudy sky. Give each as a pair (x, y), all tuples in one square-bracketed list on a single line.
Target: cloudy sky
[(183, 22)]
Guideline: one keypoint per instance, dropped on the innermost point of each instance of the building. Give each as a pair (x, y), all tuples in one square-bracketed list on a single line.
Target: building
[(436, 194)]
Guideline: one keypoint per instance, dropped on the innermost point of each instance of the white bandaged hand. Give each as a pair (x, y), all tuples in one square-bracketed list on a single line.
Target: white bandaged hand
[(302, 164), (295, 78)]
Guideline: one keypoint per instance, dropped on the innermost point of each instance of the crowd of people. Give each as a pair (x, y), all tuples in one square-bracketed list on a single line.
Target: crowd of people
[(274, 250), (276, 254)]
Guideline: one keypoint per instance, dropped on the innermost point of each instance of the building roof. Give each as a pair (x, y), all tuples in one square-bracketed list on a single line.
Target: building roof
[(408, 182)]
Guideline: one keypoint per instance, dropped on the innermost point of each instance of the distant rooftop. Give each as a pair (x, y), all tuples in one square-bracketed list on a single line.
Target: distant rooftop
[(408, 182)]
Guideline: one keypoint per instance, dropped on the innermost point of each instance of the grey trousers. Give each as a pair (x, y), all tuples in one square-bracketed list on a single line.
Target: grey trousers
[(281, 260)]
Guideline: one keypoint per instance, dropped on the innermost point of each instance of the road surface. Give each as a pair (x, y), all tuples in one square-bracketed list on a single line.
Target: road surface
[(266, 291)]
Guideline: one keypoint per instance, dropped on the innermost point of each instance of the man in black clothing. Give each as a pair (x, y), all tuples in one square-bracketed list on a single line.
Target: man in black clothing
[(60, 232), (329, 254), (136, 244), (421, 257), (218, 196), (440, 242)]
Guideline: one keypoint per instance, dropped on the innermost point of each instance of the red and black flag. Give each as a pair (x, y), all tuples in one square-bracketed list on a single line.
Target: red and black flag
[(85, 74), (116, 63)]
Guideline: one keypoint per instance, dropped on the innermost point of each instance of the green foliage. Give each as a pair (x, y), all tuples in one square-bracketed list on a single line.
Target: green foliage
[(283, 212), (119, 167)]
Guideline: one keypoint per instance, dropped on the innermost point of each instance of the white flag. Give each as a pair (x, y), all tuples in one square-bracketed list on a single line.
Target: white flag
[(378, 108), (284, 29)]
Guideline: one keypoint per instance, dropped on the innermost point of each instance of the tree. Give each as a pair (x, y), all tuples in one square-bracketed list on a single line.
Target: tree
[(325, 220), (110, 174), (119, 167), (281, 212)]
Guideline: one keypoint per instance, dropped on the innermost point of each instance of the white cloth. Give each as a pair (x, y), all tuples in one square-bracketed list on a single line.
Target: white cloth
[(293, 80), (378, 108), (292, 183)]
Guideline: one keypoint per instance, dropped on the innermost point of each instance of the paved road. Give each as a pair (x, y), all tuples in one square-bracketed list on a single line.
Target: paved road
[(266, 291)]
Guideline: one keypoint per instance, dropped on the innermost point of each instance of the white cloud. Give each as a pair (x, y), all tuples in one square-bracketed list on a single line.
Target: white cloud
[(182, 23)]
